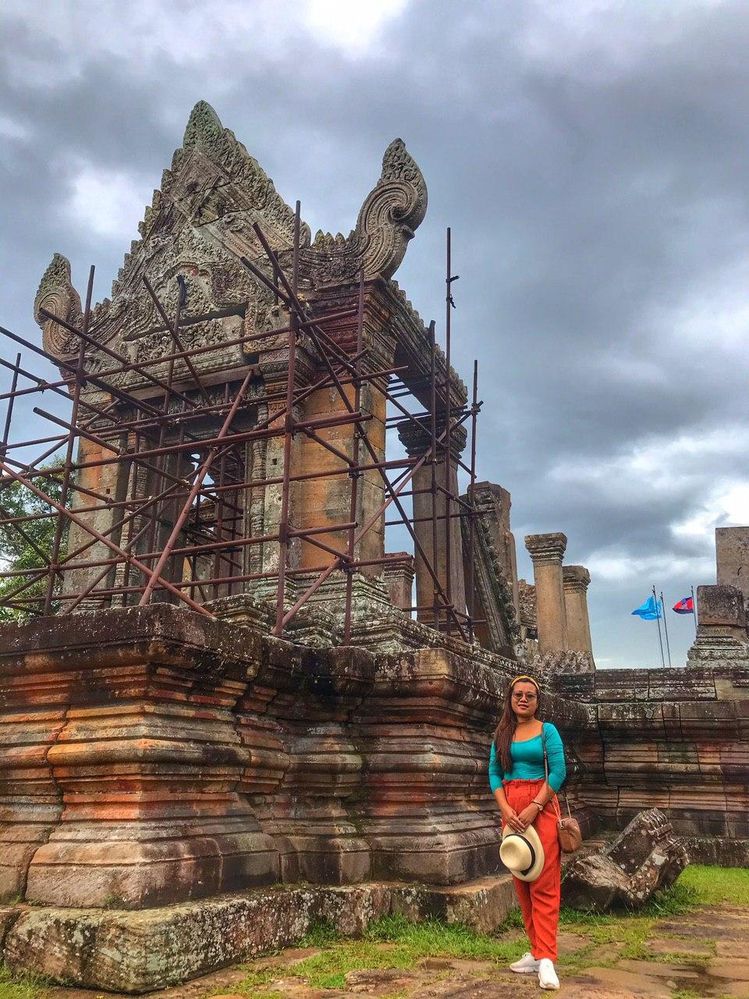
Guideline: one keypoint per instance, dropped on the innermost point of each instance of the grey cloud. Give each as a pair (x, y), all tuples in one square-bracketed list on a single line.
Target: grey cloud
[(594, 174)]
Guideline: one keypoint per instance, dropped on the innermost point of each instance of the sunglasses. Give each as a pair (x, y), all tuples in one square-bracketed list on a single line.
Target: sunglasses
[(524, 697)]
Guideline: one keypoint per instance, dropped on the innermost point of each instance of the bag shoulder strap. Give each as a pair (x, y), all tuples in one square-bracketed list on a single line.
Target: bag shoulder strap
[(546, 774), (546, 757)]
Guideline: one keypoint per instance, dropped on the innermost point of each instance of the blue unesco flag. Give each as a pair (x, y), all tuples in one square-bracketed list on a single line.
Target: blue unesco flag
[(651, 610)]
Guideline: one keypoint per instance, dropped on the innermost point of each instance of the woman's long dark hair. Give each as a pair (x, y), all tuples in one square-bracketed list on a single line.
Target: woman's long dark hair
[(508, 723)]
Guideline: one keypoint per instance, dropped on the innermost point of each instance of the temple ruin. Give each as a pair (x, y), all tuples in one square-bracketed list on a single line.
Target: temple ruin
[(221, 685)]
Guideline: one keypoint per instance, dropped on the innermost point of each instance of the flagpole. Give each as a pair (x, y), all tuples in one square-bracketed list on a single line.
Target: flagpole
[(694, 609), (665, 628), (658, 622)]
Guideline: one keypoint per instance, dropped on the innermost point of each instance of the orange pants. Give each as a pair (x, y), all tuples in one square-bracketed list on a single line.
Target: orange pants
[(539, 899)]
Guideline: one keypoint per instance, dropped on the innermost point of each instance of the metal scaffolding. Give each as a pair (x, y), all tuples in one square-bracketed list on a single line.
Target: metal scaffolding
[(183, 537)]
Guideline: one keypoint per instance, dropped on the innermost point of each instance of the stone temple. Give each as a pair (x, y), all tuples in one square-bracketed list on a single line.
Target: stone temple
[(225, 709)]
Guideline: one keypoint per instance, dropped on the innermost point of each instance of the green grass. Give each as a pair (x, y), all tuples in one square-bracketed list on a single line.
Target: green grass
[(254, 980), (394, 943), (717, 885), (691, 994), (321, 933), (20, 986), (253, 991), (626, 933)]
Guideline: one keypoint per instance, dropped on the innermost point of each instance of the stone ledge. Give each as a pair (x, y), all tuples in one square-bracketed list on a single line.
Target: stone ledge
[(718, 850), (142, 951)]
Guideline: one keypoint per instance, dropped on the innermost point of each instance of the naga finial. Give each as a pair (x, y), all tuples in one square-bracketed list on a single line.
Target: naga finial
[(58, 296), (392, 212)]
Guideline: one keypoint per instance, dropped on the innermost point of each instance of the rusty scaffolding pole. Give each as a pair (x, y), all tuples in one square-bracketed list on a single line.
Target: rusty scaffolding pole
[(180, 531)]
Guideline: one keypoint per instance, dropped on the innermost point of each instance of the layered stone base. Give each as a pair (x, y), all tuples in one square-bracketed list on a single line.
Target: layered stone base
[(673, 739), (151, 756), (138, 952)]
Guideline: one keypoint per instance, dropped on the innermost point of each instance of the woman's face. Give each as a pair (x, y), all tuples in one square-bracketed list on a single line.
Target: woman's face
[(524, 700)]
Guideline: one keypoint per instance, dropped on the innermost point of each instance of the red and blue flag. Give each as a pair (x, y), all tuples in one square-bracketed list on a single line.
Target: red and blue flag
[(685, 606)]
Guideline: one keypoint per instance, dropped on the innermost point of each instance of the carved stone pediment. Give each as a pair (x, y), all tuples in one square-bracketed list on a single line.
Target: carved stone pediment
[(193, 235)]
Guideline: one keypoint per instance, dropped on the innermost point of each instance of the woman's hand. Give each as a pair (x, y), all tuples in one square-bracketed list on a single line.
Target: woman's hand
[(510, 818), (529, 815)]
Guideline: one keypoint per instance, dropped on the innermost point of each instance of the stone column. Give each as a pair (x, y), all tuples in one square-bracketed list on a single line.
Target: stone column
[(399, 581), (732, 558), (576, 579), (547, 552), (110, 480), (327, 500), (721, 628), (417, 442)]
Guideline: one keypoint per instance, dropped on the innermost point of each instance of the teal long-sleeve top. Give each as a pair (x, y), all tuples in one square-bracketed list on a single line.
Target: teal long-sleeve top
[(528, 760)]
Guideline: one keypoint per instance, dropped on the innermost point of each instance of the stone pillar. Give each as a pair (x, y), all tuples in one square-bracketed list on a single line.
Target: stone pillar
[(267, 501), (732, 558), (417, 442), (399, 579), (721, 609), (547, 552), (721, 628), (109, 480), (576, 579)]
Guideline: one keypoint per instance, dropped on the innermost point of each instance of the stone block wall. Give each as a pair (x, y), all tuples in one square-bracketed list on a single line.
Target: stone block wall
[(673, 739), (152, 755)]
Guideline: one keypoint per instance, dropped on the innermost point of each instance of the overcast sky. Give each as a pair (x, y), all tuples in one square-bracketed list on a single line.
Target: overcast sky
[(590, 157)]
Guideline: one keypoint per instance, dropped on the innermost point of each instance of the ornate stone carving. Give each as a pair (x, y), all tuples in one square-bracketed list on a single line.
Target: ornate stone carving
[(493, 587), (391, 213), (57, 295), (551, 664), (527, 601), (251, 188), (416, 437), (544, 548), (199, 225), (644, 859)]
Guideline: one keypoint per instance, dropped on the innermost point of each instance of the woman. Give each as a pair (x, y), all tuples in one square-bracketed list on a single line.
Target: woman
[(517, 779)]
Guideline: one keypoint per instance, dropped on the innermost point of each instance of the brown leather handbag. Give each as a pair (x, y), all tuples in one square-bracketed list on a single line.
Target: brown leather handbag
[(568, 828)]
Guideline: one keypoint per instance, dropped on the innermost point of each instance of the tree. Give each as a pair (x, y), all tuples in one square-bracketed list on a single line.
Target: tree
[(26, 545)]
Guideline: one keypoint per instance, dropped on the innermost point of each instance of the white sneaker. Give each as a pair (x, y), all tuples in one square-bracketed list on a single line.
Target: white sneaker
[(547, 976), (526, 965)]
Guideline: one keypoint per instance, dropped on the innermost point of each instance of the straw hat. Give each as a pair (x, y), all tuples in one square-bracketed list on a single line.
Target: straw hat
[(522, 853)]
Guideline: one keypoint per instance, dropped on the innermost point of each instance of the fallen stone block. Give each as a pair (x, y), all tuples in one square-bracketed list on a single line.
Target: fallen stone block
[(135, 952), (644, 859)]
